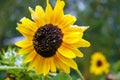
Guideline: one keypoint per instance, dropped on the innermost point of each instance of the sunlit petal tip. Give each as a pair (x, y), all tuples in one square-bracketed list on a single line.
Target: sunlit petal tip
[(16, 28), (22, 19), (31, 10), (18, 24), (38, 6), (47, 2), (48, 5), (84, 28), (58, 1)]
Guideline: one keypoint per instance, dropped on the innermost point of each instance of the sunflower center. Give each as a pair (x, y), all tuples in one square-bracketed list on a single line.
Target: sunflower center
[(47, 39), (99, 63)]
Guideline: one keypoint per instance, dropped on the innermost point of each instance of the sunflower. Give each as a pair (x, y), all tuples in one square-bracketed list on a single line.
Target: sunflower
[(99, 64), (51, 39), (8, 78)]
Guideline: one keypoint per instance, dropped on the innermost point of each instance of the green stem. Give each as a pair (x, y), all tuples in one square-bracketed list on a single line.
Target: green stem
[(80, 74), (10, 67)]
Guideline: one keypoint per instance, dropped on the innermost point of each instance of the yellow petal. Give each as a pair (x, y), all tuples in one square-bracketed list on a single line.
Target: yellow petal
[(78, 28), (72, 37), (84, 28), (46, 66), (52, 65), (24, 43), (39, 10), (26, 32), (39, 66), (25, 50), (66, 52), (82, 43), (62, 66), (48, 13), (77, 52), (28, 24), (58, 12), (69, 62), (66, 21), (30, 57), (74, 28), (38, 18), (34, 62)]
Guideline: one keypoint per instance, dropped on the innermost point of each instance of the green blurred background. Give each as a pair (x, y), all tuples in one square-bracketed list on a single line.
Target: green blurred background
[(103, 17)]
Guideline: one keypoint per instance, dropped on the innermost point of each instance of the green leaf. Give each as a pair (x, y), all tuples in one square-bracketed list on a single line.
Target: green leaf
[(62, 76), (117, 66)]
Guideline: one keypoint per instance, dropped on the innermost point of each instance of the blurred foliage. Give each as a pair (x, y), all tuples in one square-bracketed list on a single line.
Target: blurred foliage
[(102, 16), (116, 67), (11, 67)]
